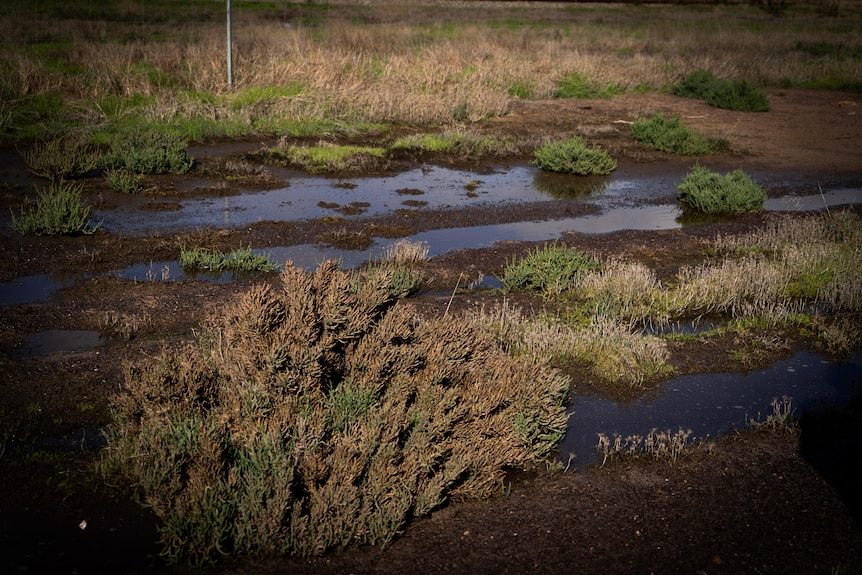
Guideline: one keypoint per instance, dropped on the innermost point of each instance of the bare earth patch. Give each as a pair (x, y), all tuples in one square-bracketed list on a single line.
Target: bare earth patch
[(752, 502)]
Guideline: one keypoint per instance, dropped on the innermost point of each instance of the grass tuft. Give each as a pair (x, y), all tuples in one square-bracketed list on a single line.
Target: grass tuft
[(553, 268), (240, 260)]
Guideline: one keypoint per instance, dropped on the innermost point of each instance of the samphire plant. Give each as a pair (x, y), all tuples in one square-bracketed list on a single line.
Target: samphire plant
[(149, 152), (62, 158), (241, 260), (58, 211), (325, 414), (552, 268), (673, 137), (572, 156), (711, 193)]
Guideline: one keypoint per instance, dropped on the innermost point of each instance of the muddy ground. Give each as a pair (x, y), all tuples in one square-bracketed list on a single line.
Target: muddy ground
[(751, 502)]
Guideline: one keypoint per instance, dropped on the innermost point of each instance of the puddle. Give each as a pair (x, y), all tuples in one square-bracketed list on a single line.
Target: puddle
[(712, 404), (59, 341), (31, 289)]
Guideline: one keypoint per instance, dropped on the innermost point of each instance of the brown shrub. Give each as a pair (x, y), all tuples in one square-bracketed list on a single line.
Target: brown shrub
[(326, 415)]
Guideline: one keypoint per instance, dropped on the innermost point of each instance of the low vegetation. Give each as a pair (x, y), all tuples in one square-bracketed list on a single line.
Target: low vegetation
[(123, 180), (572, 156), (324, 158), (673, 137), (739, 95), (240, 260), (149, 152), (58, 211), (62, 158), (323, 415), (604, 311), (711, 193)]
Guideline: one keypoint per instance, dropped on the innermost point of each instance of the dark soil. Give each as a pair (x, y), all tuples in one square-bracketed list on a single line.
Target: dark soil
[(783, 501)]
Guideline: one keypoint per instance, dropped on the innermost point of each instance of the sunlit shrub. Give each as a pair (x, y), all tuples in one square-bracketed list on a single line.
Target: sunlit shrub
[(711, 193), (242, 260), (553, 268), (572, 156), (325, 414)]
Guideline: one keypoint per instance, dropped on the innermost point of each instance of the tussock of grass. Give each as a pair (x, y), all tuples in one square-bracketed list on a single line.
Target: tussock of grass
[(148, 152), (321, 415), (613, 349), (660, 445), (406, 252)]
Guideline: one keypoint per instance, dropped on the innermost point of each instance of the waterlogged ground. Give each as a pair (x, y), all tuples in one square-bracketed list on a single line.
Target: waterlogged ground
[(751, 502)]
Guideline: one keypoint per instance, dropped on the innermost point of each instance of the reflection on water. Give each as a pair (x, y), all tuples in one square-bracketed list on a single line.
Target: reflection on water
[(712, 404)]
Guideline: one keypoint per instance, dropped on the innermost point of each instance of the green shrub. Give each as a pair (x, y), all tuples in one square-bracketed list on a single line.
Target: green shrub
[(572, 156), (147, 152), (712, 193), (62, 158), (240, 260), (696, 85), (673, 137), (553, 268), (740, 95), (58, 211), (324, 414), (123, 180)]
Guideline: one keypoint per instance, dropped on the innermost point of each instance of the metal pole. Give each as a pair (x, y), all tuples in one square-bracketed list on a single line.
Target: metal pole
[(229, 52)]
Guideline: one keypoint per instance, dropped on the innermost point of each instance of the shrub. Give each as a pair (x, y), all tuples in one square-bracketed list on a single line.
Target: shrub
[(58, 211), (62, 158), (673, 137), (123, 180), (739, 95), (554, 268), (573, 157), (712, 193), (147, 152), (324, 414), (696, 85)]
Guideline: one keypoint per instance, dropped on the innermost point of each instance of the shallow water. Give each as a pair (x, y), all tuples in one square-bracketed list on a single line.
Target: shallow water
[(712, 404), (59, 341)]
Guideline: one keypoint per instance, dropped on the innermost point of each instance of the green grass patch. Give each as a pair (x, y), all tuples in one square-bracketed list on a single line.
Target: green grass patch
[(572, 156), (673, 137), (712, 193), (239, 260), (322, 159), (455, 143), (553, 268), (579, 86), (256, 95), (59, 211)]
